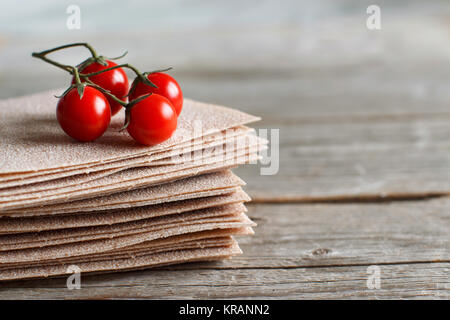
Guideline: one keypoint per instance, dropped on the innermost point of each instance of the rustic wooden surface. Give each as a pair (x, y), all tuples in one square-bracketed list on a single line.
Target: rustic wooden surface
[(364, 119)]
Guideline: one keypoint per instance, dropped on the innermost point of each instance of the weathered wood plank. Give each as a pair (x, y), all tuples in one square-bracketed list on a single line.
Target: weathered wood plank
[(298, 59), (300, 251), (423, 281), (365, 157), (301, 93), (296, 235)]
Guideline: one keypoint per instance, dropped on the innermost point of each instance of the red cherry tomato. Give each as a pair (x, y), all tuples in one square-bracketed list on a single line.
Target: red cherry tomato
[(167, 87), (115, 81), (84, 119), (152, 120)]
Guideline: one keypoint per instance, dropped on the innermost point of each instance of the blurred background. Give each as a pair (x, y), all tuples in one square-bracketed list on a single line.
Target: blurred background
[(292, 62)]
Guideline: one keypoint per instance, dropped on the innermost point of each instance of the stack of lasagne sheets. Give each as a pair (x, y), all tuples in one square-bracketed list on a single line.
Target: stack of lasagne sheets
[(112, 204)]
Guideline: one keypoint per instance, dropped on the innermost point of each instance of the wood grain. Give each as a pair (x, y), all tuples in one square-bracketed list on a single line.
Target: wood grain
[(299, 251), (293, 235), (357, 158), (410, 281), (364, 120)]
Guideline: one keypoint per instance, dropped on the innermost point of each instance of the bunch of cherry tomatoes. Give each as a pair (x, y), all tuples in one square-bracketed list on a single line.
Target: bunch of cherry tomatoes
[(100, 89)]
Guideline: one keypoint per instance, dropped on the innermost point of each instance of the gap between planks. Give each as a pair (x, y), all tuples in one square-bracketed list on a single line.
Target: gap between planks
[(351, 282), (368, 198), (318, 266)]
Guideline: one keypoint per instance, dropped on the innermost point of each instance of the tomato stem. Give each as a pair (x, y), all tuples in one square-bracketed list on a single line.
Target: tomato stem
[(70, 45), (43, 57), (95, 58), (107, 92), (78, 76), (128, 109)]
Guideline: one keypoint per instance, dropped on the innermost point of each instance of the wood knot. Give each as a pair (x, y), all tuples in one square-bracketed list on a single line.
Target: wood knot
[(321, 252)]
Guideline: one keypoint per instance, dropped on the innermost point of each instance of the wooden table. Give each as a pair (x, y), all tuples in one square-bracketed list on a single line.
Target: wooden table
[(364, 119)]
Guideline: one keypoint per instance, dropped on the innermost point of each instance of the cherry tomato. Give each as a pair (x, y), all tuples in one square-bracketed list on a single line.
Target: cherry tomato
[(152, 120), (115, 81), (167, 87), (84, 119)]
